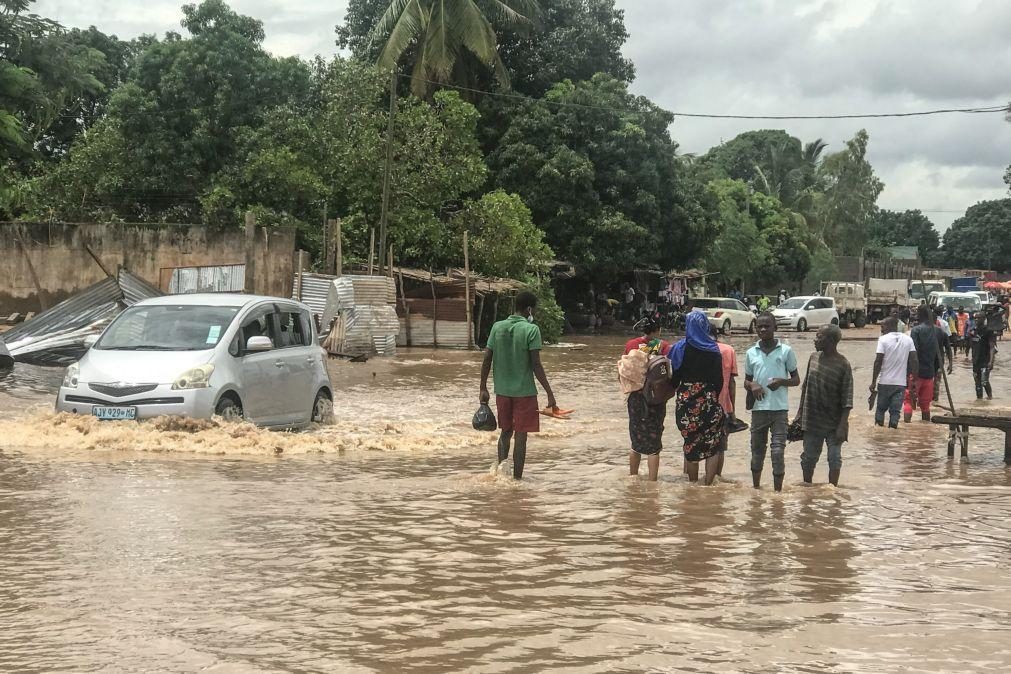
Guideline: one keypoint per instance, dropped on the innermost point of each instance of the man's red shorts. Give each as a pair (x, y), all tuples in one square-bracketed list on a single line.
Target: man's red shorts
[(518, 414)]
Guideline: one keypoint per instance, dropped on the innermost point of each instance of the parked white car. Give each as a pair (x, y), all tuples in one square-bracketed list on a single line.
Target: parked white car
[(801, 313), (201, 355), (726, 314)]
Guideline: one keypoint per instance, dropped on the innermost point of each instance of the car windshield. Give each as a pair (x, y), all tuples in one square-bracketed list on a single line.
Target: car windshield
[(970, 302), (794, 303), (704, 303), (167, 328)]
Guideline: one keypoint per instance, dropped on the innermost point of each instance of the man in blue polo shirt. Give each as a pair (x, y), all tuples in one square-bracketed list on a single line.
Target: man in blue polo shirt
[(770, 367)]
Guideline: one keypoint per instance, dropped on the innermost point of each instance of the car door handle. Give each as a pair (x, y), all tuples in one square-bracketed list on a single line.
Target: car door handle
[(279, 363)]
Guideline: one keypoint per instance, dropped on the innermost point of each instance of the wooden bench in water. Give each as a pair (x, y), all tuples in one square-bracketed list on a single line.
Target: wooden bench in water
[(963, 418)]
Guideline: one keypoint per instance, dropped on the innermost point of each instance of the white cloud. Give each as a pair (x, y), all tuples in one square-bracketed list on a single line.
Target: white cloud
[(837, 56)]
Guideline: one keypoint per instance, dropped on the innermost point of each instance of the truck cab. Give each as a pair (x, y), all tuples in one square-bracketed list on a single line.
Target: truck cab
[(921, 290)]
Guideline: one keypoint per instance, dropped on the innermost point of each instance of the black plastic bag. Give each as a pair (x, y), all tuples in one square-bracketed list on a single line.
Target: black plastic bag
[(484, 419)]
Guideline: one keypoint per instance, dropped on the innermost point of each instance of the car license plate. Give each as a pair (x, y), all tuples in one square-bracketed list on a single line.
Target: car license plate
[(115, 413)]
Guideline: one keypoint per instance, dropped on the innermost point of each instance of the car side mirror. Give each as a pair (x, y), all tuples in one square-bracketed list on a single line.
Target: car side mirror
[(90, 341), (259, 344)]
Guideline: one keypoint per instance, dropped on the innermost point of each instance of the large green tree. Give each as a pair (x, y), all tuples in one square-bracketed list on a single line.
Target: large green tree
[(334, 152), (598, 169), (847, 206), (772, 162), (83, 110), (738, 251), (908, 228), (503, 238), (41, 71), (449, 41), (175, 123), (760, 240), (981, 239), (571, 39)]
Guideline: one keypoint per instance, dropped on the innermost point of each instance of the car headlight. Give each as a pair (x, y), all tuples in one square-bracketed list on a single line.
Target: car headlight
[(198, 377), (71, 376)]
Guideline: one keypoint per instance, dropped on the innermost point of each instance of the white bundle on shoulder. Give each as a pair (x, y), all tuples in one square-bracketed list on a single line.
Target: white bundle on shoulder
[(632, 371)]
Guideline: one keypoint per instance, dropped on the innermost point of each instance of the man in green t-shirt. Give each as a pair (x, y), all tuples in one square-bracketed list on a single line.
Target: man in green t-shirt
[(514, 349)]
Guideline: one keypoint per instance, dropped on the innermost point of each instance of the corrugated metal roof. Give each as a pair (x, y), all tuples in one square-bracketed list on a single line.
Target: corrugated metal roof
[(56, 336), (135, 288), (314, 291), (74, 312)]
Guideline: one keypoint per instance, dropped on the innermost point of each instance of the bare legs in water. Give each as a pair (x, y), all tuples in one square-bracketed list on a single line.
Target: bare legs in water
[(652, 464), (712, 469), (519, 451)]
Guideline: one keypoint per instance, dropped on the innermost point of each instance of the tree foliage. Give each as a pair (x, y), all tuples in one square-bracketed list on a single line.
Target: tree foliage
[(503, 238), (848, 203), (760, 240), (909, 228), (739, 252), (573, 40), (175, 123), (570, 39), (981, 239), (602, 181), (449, 41), (42, 71)]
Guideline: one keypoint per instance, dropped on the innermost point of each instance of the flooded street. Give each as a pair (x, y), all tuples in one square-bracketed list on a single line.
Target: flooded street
[(386, 543)]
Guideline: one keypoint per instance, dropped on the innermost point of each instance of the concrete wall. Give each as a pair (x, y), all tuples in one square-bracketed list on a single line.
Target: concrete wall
[(58, 255)]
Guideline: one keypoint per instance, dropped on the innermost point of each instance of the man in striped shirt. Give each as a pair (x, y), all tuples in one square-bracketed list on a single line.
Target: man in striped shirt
[(828, 399)]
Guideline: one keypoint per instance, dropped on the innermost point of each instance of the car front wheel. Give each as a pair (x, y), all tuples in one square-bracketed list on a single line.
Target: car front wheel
[(322, 409), (727, 327), (228, 409), (751, 328), (802, 325)]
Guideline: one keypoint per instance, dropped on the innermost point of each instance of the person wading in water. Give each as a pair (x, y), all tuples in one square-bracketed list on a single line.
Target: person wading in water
[(894, 366), (828, 399), (929, 362), (697, 366), (514, 349), (645, 422), (770, 367)]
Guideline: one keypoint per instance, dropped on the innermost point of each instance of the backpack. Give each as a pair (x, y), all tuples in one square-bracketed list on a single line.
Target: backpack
[(659, 386), (632, 371)]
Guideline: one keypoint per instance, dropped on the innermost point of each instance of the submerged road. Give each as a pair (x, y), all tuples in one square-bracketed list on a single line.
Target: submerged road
[(386, 543)]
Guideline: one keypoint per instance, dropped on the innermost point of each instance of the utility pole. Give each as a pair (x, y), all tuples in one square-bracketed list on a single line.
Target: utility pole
[(384, 218)]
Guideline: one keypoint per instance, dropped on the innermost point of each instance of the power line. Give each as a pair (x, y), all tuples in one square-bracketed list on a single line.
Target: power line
[(1002, 108)]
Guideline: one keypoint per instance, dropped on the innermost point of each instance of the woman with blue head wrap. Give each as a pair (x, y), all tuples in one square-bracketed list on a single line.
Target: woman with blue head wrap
[(698, 369)]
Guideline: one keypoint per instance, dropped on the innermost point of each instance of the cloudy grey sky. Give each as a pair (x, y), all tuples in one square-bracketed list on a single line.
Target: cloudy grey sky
[(762, 57)]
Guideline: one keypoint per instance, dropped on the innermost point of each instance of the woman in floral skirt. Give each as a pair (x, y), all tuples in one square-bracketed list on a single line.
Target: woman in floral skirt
[(698, 368)]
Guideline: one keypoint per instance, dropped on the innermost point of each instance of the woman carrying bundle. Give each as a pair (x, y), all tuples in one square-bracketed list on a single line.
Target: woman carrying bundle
[(645, 421)]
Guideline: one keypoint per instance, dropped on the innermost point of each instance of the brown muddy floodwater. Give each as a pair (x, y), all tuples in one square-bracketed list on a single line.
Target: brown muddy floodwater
[(385, 542)]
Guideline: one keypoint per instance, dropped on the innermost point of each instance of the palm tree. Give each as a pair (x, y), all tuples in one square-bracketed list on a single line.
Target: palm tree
[(449, 36)]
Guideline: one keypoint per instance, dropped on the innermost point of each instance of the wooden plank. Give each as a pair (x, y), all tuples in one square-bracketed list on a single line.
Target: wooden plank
[(980, 422)]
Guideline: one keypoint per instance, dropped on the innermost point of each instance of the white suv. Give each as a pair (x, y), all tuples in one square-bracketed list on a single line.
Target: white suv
[(801, 313)]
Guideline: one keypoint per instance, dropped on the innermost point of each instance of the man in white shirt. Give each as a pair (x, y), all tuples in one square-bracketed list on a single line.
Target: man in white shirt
[(894, 364)]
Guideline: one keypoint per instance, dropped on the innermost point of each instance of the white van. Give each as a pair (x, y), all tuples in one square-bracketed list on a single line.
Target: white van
[(201, 355), (970, 301)]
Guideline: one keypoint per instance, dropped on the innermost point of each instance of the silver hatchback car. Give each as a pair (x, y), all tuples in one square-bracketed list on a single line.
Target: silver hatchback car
[(203, 355)]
